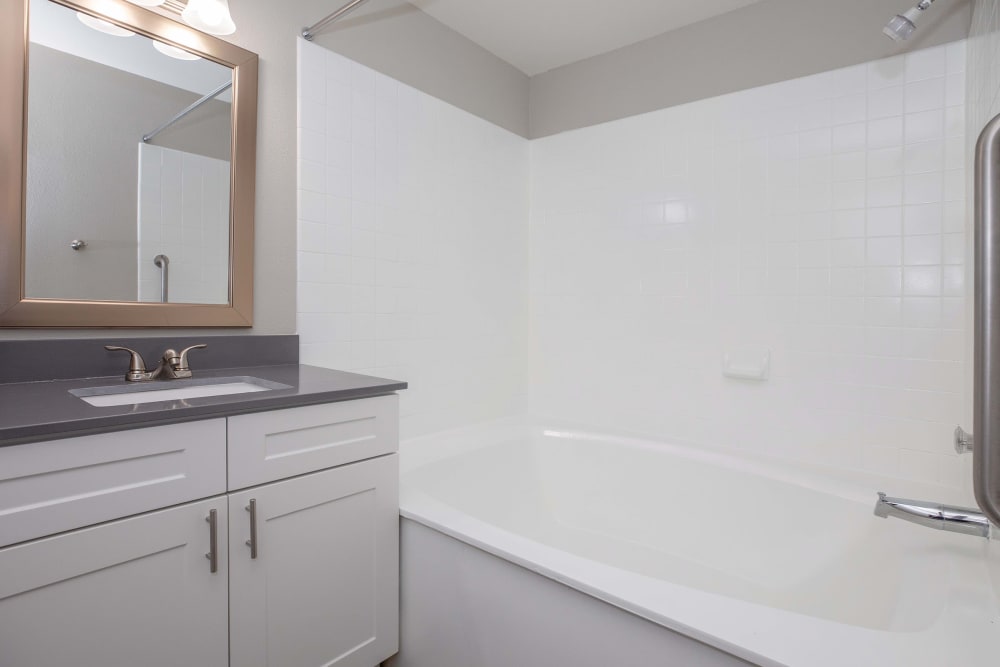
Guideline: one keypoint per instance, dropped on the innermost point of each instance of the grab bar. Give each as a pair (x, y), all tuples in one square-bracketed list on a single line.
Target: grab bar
[(163, 262), (986, 397)]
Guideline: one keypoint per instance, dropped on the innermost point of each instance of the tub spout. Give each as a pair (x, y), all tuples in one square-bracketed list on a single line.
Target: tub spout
[(934, 515)]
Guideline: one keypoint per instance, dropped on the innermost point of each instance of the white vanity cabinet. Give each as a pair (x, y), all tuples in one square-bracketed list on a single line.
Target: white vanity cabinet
[(321, 587), (316, 585), (138, 591)]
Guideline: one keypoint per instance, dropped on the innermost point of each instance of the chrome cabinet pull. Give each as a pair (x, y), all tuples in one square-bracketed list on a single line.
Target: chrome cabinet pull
[(986, 401), (252, 542), (213, 541)]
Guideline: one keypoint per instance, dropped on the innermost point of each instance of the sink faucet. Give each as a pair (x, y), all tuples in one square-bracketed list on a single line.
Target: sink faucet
[(173, 365), (934, 515)]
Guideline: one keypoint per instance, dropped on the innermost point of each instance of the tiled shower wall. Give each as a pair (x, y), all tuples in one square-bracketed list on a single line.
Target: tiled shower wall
[(412, 243), (183, 214), (822, 219)]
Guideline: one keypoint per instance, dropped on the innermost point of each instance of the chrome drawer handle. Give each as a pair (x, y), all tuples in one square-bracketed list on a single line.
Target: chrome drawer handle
[(252, 542), (213, 541)]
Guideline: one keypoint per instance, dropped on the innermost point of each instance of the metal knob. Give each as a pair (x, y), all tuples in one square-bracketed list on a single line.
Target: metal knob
[(77, 244)]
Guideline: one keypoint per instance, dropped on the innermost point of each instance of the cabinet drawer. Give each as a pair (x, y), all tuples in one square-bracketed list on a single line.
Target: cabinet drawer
[(50, 487), (268, 446)]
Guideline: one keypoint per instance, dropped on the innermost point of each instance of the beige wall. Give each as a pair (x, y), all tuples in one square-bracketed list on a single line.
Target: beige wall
[(764, 43)]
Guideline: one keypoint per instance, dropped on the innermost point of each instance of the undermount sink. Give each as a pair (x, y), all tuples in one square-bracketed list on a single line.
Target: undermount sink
[(173, 390)]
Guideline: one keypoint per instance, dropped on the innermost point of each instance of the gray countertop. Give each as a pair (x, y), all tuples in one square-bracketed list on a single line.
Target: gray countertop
[(35, 411)]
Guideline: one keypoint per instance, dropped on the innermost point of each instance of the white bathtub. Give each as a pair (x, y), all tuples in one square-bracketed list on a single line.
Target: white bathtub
[(728, 557)]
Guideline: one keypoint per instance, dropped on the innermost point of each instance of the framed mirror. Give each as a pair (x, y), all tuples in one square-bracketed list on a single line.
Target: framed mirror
[(128, 171)]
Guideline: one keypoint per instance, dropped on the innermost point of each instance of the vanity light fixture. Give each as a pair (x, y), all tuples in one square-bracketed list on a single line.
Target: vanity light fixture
[(211, 16), (147, 3), (174, 52), (103, 26)]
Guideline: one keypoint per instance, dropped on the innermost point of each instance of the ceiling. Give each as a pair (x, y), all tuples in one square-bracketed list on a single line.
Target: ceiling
[(538, 35)]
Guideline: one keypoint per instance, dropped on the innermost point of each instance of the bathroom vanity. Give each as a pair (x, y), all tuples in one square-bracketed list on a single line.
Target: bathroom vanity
[(244, 529)]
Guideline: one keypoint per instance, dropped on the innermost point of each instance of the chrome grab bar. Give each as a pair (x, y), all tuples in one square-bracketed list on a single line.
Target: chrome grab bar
[(986, 365), (163, 262), (934, 515)]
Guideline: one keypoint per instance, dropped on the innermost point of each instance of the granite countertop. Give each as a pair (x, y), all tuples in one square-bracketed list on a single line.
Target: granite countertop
[(46, 410)]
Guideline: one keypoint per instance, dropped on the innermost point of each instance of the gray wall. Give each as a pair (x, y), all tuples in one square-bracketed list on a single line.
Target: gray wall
[(397, 39), (763, 43), (85, 123)]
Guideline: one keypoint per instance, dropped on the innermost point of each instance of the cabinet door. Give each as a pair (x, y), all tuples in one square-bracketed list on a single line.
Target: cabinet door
[(133, 592), (323, 588)]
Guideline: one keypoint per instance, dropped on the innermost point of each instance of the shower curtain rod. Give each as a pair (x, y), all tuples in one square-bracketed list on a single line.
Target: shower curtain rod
[(146, 138), (310, 32)]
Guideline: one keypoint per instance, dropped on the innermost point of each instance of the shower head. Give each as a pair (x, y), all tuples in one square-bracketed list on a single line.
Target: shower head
[(901, 26)]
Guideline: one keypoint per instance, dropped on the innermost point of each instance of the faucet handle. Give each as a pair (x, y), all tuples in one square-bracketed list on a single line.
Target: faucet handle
[(184, 353), (136, 368), (182, 361)]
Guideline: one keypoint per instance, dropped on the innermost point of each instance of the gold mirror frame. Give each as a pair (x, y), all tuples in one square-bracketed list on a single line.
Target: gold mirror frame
[(18, 311)]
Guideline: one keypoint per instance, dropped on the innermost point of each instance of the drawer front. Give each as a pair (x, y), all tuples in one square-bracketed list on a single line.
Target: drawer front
[(269, 446), (50, 487)]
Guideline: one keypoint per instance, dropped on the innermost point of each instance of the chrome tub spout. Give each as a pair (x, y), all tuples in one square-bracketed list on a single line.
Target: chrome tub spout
[(934, 515)]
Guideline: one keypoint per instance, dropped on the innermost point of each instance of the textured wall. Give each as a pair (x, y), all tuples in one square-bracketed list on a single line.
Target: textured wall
[(822, 218), (413, 245)]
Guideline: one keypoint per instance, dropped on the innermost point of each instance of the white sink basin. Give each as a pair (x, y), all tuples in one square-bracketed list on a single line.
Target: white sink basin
[(152, 392)]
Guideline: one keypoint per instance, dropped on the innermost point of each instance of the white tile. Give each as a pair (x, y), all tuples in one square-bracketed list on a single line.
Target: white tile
[(850, 80), (922, 219), (922, 250), (885, 191), (884, 221), (883, 282), (849, 138), (922, 281), (926, 64), (885, 162), (885, 251), (885, 132), (924, 188), (924, 126), (924, 95), (886, 72), (885, 102), (924, 156)]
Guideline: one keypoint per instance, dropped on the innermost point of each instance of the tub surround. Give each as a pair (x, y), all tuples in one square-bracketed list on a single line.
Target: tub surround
[(41, 408)]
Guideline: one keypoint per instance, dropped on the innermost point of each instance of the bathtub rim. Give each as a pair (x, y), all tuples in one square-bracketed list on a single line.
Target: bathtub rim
[(566, 569)]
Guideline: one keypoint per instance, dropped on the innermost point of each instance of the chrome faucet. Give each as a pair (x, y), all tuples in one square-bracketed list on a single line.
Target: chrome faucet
[(934, 515), (172, 366)]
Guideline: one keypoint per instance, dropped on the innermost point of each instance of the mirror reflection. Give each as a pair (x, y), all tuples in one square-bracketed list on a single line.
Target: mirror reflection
[(128, 165)]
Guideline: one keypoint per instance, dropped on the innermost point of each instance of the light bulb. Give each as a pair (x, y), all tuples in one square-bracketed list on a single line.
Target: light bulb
[(174, 52), (211, 16), (103, 26)]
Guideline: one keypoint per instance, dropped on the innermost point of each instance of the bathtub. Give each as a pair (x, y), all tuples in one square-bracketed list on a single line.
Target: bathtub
[(530, 546)]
